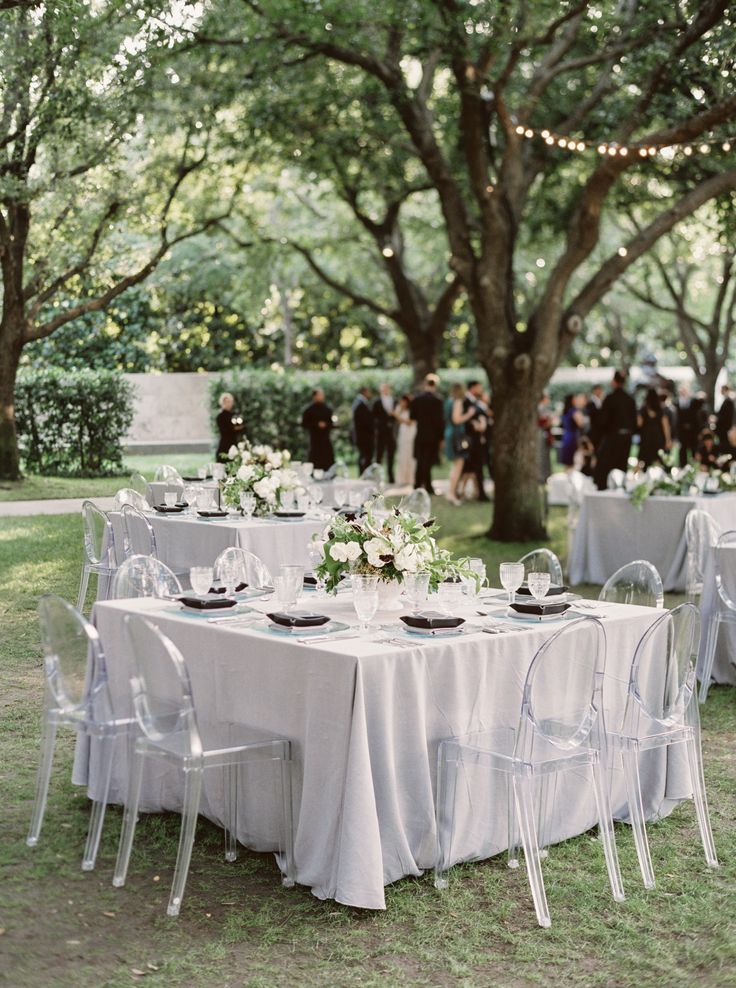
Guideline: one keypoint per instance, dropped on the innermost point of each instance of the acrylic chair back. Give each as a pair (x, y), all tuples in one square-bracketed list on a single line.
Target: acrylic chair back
[(375, 474), (144, 576), (543, 561), (235, 566), (138, 483), (139, 537), (562, 692), (126, 495), (418, 503), (161, 689), (725, 568), (99, 541), (701, 533), (635, 583), (662, 679), (616, 480), (74, 663), (169, 474)]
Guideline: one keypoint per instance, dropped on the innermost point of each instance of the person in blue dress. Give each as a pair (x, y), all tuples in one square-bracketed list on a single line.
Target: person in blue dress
[(572, 423)]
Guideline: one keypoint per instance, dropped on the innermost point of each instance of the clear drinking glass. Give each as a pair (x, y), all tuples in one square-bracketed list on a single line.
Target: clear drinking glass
[(202, 473), (341, 495), (416, 588), (538, 584), (316, 557), (365, 598), (296, 575), (512, 577), (248, 504), (448, 597), (285, 592), (201, 578), (169, 499), (229, 574)]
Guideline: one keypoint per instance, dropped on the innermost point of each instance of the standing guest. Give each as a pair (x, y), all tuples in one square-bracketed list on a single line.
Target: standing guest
[(617, 424), (668, 409), (383, 415), (688, 423), (544, 421), (706, 453), (229, 425), (724, 420), (457, 443), (476, 428), (407, 430), (317, 420), (362, 431), (654, 429), (427, 411), (592, 413), (573, 421)]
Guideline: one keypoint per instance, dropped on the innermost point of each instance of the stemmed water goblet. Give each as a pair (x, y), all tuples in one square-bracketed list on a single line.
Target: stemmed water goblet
[(365, 599), (248, 504), (416, 588), (201, 579), (316, 558), (512, 576), (538, 585)]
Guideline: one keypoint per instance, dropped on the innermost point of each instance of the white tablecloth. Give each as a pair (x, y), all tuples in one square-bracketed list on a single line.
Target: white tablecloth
[(612, 532), (724, 670), (365, 719)]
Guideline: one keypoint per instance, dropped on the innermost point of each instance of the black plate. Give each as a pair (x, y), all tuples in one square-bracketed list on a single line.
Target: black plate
[(212, 514), (298, 619), (194, 480), (540, 609), (431, 620), (206, 601), (166, 510), (289, 514), (238, 589), (552, 592), (310, 581)]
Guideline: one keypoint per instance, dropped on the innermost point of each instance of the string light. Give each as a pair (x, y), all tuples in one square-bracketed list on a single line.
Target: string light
[(613, 149)]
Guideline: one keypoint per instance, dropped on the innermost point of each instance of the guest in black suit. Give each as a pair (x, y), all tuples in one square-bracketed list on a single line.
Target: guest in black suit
[(229, 426), (427, 411), (362, 431), (592, 411), (317, 420), (690, 422), (476, 429), (617, 423), (386, 425), (724, 421)]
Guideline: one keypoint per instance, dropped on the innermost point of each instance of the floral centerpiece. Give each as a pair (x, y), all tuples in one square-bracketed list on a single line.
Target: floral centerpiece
[(388, 545), (671, 480), (261, 471)]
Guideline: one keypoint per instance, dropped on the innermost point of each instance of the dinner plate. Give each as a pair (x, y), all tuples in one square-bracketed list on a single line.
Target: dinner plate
[(206, 601), (289, 514), (464, 629), (332, 627), (533, 618), (298, 619)]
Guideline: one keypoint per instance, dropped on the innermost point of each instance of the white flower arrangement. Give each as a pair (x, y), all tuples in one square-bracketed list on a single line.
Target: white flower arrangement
[(259, 470)]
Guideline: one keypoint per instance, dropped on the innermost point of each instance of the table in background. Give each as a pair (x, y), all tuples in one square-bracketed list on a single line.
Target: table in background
[(365, 719), (611, 532), (724, 670), (363, 487), (157, 488)]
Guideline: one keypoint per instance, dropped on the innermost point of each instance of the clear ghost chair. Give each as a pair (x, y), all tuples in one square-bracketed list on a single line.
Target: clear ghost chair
[(662, 709), (169, 474), (242, 567), (635, 583), (725, 611), (144, 576), (127, 495), (701, 533), (376, 475), (543, 561), (560, 729), (616, 480), (139, 537), (166, 716), (418, 503), (139, 484), (99, 552), (77, 696)]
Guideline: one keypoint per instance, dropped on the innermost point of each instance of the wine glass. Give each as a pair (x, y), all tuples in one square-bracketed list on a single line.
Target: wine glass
[(202, 473), (169, 499), (538, 584), (201, 579), (365, 598), (512, 576), (229, 575), (416, 588), (248, 504), (316, 558)]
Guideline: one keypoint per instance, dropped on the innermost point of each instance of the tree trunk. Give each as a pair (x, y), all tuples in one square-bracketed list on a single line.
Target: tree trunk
[(707, 378), (422, 354), (9, 359)]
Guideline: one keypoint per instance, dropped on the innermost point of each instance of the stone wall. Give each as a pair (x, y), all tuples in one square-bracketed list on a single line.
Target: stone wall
[(171, 411)]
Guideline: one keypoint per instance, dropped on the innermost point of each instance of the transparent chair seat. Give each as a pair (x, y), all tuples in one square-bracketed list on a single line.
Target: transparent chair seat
[(543, 561), (144, 576), (77, 696), (724, 555), (661, 710), (164, 709), (99, 552), (560, 729), (635, 583)]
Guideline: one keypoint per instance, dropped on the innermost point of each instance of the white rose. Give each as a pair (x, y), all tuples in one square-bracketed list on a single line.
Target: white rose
[(232, 452), (264, 488), (286, 455), (339, 552), (353, 550), (374, 549), (275, 459), (245, 473)]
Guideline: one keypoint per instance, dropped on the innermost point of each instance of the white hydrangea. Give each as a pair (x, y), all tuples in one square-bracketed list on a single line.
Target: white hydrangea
[(246, 473), (275, 459), (265, 489)]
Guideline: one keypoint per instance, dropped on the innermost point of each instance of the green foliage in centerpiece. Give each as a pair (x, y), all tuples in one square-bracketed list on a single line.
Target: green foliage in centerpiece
[(261, 471), (387, 544)]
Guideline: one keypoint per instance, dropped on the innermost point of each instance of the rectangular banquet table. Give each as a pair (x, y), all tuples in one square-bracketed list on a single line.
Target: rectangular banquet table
[(724, 670), (612, 532), (184, 540), (365, 718)]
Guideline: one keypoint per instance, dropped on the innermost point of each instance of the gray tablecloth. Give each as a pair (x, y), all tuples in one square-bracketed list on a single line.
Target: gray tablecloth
[(724, 670), (612, 532), (365, 719)]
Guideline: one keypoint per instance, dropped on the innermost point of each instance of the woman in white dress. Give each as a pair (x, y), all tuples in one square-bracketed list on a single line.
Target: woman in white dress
[(405, 462)]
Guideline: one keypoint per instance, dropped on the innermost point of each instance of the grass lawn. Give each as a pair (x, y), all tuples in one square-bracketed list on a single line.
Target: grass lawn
[(60, 927)]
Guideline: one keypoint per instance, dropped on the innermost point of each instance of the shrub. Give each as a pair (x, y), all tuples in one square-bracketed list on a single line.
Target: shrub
[(272, 402), (71, 423)]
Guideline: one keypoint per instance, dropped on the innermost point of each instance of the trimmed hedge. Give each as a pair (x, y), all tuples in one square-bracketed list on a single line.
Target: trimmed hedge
[(71, 423), (272, 402)]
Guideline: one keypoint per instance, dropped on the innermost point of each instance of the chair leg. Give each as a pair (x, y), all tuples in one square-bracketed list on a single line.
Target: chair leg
[(230, 793), (130, 818), (288, 880), (48, 743), (527, 826), (445, 814), (546, 799), (189, 814), (695, 761), (605, 829), (630, 761), (710, 654), (83, 584), (513, 853), (97, 813)]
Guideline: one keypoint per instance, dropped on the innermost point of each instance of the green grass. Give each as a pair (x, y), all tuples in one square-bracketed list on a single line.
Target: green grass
[(240, 929)]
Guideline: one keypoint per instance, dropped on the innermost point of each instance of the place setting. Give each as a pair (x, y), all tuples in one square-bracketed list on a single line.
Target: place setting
[(529, 602)]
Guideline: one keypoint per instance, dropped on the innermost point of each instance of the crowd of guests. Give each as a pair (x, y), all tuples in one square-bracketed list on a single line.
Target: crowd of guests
[(597, 430)]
